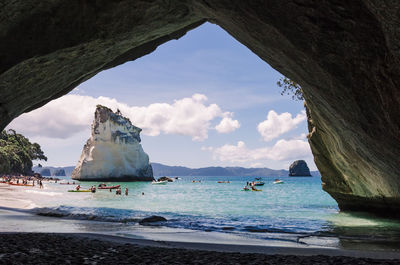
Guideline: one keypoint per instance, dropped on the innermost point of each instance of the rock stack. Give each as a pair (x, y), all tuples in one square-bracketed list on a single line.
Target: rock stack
[(299, 168), (113, 152)]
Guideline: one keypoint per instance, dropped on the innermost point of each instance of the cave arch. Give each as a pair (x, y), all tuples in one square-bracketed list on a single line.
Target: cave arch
[(345, 56)]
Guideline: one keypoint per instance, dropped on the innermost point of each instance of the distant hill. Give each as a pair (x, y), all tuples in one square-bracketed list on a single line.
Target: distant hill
[(68, 170), (164, 170)]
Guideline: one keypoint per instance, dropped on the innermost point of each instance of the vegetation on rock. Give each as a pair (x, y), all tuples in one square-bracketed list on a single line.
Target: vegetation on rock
[(17, 153), (290, 87)]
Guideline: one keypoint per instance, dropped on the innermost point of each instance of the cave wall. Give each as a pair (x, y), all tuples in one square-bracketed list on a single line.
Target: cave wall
[(345, 54)]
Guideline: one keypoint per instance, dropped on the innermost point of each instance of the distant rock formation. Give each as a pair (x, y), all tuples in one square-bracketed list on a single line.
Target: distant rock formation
[(165, 179), (113, 152), (58, 173), (299, 168), (45, 172)]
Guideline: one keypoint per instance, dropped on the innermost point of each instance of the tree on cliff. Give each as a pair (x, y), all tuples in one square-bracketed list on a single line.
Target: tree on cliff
[(290, 88), (17, 153)]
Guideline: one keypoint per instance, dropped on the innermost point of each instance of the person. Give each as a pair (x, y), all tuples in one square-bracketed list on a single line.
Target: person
[(110, 190), (126, 191), (93, 190), (78, 187), (40, 184)]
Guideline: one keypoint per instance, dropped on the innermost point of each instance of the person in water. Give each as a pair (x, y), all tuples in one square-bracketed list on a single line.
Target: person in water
[(126, 191)]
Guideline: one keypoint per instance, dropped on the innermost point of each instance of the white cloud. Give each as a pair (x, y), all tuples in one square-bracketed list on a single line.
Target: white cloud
[(227, 124), (283, 150), (276, 125), (71, 114)]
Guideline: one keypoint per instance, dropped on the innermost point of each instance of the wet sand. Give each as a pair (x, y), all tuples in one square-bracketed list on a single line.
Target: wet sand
[(41, 248)]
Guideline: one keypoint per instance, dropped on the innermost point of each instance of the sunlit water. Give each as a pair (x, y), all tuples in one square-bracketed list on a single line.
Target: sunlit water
[(296, 211)]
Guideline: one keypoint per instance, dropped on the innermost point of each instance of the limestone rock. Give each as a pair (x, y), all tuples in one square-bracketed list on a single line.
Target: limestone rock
[(58, 173), (113, 152), (45, 172), (299, 168)]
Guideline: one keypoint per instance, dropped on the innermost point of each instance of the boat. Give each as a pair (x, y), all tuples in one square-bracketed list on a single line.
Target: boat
[(224, 181), (258, 182), (109, 187), (159, 182), (20, 184), (79, 191), (278, 181)]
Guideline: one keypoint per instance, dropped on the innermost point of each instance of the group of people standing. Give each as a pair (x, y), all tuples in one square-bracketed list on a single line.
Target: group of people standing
[(22, 180)]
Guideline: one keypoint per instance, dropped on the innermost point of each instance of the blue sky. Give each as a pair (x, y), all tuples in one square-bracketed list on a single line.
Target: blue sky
[(207, 61)]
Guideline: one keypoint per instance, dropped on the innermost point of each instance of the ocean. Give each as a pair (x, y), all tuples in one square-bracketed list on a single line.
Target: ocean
[(295, 212)]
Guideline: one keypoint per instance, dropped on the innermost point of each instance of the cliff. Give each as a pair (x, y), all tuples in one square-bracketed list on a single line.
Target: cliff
[(58, 173), (45, 172), (299, 168), (113, 152)]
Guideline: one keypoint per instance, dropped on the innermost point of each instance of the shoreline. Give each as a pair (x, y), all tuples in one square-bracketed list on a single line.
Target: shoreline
[(167, 242), (75, 248), (17, 220)]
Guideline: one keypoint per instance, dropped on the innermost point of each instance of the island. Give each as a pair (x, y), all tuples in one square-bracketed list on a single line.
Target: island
[(299, 168)]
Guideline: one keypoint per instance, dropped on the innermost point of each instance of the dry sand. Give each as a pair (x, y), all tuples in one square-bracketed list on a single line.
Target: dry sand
[(40, 248)]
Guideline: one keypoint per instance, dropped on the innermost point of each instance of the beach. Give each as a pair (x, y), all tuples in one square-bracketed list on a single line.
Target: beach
[(33, 233)]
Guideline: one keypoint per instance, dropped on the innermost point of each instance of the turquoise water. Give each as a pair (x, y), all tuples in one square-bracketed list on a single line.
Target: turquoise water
[(298, 210)]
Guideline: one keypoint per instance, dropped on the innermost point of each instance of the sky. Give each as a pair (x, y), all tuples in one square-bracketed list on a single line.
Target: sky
[(202, 100)]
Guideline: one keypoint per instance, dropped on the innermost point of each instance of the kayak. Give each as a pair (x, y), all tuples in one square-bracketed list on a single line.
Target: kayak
[(110, 187), (79, 191), (18, 184), (278, 182)]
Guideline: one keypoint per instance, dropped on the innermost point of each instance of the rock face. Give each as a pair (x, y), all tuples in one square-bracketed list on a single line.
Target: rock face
[(58, 173), (345, 54), (45, 172), (299, 168), (113, 152)]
